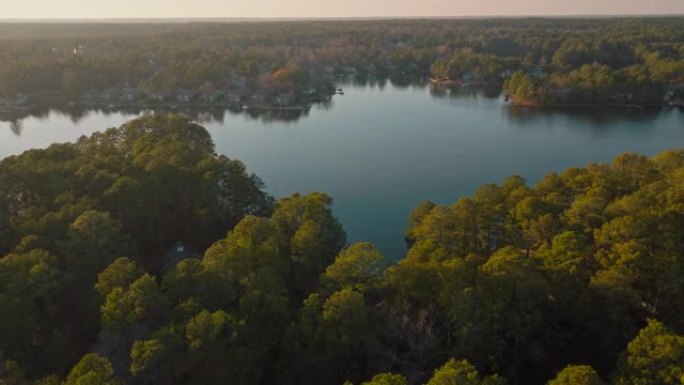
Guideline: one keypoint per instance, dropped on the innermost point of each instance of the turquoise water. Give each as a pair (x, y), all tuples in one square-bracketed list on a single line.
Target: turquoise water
[(379, 151)]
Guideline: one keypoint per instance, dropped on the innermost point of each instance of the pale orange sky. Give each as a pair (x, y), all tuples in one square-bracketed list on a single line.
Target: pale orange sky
[(326, 8)]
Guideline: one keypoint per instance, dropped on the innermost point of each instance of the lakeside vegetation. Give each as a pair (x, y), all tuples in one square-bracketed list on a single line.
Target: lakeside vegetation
[(636, 62), (139, 256)]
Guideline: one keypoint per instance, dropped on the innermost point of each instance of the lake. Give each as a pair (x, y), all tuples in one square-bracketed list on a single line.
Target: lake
[(381, 149)]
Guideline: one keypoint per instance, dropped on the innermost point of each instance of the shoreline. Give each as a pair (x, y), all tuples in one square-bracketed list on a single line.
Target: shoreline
[(461, 83), (22, 109), (259, 107), (12, 112), (542, 106)]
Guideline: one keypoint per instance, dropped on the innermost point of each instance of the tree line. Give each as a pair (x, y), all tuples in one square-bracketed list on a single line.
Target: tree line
[(140, 256), (578, 61)]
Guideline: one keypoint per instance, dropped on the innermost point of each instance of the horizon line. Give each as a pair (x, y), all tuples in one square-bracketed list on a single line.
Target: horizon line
[(336, 18)]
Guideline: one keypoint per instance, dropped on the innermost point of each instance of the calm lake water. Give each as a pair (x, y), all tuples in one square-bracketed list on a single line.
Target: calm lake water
[(379, 151)]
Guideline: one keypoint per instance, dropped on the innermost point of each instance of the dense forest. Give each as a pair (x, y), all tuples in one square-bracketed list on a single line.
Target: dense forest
[(140, 256), (635, 62)]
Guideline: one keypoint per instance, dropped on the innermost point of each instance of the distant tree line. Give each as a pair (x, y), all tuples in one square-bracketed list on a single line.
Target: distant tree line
[(637, 61)]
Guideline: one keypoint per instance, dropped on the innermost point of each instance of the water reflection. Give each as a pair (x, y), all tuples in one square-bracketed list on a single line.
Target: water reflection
[(593, 117), (522, 117), (16, 126), (460, 92), (199, 114)]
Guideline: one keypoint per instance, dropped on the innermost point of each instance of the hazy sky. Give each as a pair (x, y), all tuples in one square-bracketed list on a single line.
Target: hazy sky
[(327, 8)]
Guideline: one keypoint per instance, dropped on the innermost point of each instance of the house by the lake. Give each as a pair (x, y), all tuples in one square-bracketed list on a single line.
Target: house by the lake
[(179, 252), (186, 96), (158, 96), (130, 95)]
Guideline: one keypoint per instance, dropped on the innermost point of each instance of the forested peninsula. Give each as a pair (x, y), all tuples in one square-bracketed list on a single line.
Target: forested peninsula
[(625, 62), (140, 256)]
